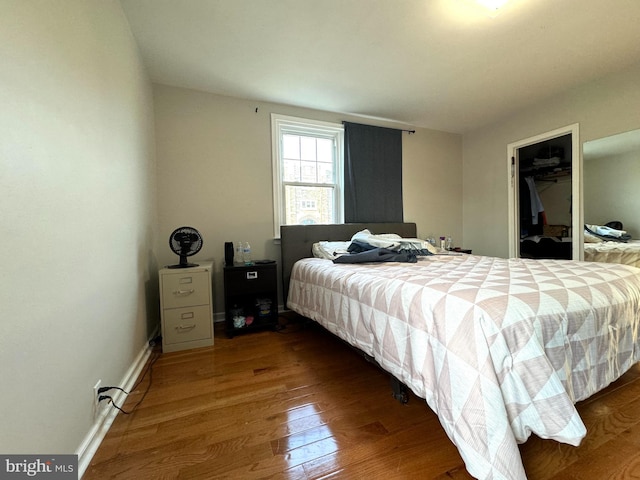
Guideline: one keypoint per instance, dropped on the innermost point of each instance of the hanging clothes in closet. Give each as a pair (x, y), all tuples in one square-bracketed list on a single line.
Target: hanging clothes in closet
[(532, 216)]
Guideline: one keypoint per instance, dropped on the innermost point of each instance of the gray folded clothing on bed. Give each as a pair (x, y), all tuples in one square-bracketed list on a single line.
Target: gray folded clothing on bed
[(377, 255)]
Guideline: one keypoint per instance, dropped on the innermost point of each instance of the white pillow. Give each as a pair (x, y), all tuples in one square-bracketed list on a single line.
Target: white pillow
[(384, 240), (416, 243), (329, 250), (590, 238)]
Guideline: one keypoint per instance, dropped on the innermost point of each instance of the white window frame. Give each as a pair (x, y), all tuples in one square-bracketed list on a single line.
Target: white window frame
[(282, 124)]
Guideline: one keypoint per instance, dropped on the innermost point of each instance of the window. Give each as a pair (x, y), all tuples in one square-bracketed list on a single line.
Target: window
[(307, 171)]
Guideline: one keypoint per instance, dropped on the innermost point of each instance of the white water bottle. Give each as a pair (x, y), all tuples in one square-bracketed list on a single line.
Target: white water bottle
[(246, 254), (239, 257)]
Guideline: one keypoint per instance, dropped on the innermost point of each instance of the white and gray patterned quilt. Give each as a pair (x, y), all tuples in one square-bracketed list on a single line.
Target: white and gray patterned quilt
[(500, 349)]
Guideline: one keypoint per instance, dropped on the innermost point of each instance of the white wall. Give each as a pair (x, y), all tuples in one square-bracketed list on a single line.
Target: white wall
[(601, 108), (77, 177), (611, 191), (214, 173)]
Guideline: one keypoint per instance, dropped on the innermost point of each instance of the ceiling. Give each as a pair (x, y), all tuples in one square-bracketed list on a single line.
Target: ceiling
[(441, 64)]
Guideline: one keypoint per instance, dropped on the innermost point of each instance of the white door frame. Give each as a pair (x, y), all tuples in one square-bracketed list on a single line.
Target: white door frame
[(577, 213)]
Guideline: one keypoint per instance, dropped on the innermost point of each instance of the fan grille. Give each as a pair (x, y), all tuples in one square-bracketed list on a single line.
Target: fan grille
[(185, 242)]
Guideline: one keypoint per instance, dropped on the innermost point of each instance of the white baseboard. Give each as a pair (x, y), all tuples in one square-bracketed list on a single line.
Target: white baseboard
[(104, 420)]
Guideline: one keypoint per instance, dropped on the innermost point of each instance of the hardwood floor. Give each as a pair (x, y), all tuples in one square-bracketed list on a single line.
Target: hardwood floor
[(299, 404)]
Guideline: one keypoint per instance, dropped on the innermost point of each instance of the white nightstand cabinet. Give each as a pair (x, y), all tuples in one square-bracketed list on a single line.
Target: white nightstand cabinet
[(186, 307)]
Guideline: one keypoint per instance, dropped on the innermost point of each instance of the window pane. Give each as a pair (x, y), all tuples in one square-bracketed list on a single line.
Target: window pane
[(308, 172), (307, 148), (325, 173), (325, 150), (291, 146), (306, 205), (291, 171)]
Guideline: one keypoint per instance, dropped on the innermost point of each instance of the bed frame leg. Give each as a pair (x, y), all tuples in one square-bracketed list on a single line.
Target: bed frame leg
[(399, 390)]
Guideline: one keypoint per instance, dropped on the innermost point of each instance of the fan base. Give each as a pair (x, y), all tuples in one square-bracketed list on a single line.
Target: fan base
[(183, 265)]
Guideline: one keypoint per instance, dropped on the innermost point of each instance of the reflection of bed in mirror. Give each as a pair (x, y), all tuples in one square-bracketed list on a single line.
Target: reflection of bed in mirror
[(611, 174), (613, 252)]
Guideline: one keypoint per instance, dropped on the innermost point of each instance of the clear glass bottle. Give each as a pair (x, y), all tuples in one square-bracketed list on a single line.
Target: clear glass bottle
[(449, 243), (246, 254)]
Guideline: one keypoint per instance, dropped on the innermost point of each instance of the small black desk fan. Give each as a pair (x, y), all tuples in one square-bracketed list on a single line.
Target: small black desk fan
[(185, 241)]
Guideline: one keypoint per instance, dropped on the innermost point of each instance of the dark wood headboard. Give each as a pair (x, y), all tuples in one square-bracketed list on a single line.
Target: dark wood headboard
[(296, 241)]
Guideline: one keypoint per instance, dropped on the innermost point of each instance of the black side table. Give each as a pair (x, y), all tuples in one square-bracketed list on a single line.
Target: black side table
[(250, 297)]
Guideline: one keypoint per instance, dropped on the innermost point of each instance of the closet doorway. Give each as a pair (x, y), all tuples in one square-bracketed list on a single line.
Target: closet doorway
[(545, 196)]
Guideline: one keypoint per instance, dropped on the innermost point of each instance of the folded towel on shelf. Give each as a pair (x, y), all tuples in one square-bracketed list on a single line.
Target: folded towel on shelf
[(546, 162)]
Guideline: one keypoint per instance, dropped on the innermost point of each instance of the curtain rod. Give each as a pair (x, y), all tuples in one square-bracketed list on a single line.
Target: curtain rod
[(401, 129)]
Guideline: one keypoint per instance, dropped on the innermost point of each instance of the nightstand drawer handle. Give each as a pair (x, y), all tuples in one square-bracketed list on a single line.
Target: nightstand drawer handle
[(183, 292), (186, 327), (252, 275)]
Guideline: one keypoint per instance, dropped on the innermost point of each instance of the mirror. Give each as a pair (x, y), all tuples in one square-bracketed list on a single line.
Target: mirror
[(611, 175)]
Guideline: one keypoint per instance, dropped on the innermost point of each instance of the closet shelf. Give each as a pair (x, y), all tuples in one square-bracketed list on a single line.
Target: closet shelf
[(552, 176)]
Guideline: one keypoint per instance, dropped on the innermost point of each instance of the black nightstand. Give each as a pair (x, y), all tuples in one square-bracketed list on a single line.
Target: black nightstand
[(250, 297)]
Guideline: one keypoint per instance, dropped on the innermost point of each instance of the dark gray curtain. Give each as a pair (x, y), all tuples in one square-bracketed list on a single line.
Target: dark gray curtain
[(372, 174)]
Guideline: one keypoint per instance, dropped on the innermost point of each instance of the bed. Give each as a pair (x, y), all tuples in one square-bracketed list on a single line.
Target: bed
[(610, 244), (498, 348), (613, 252)]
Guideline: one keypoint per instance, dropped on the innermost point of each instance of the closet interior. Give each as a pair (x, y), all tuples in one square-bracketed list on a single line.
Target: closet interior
[(545, 202)]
